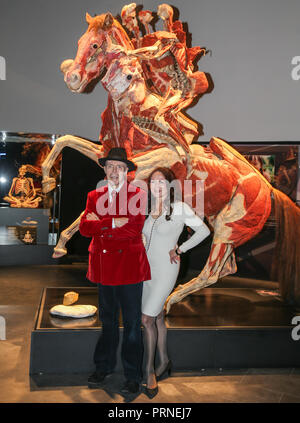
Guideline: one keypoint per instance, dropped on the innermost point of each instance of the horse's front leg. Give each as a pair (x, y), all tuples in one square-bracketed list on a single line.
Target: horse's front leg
[(87, 148), (60, 249)]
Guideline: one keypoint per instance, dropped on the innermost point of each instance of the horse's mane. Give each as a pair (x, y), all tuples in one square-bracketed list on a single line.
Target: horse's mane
[(107, 22)]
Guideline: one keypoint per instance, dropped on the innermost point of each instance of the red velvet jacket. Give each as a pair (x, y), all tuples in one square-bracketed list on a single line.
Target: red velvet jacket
[(116, 255)]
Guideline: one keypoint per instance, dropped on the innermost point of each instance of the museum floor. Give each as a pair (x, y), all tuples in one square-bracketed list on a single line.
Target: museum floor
[(20, 291)]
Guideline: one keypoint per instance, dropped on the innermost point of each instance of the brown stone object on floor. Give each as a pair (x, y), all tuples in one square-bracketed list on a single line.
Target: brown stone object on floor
[(70, 298)]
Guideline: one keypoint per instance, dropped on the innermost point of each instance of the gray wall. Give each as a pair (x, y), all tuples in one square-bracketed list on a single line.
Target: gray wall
[(253, 43)]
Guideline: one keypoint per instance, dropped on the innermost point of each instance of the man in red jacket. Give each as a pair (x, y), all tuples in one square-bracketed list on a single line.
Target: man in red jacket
[(114, 218)]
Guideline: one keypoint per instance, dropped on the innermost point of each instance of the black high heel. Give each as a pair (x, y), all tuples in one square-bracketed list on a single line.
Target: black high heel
[(166, 372), (151, 392)]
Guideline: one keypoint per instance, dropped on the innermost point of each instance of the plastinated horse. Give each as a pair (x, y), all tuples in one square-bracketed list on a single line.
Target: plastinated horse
[(146, 119)]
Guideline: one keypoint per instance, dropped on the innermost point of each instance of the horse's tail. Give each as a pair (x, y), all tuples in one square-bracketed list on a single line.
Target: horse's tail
[(286, 262)]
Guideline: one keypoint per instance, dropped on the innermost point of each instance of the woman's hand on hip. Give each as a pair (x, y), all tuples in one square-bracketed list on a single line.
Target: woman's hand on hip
[(174, 257)]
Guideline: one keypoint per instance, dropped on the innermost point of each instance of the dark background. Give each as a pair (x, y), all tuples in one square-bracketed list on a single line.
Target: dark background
[(79, 176)]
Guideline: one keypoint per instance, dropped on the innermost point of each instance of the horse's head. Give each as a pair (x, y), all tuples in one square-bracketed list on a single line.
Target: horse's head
[(91, 56)]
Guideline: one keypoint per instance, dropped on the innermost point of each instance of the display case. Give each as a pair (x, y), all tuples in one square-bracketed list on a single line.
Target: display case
[(29, 218), (279, 162)]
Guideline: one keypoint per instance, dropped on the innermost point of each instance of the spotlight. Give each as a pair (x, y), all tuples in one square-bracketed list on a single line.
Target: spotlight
[(2, 180)]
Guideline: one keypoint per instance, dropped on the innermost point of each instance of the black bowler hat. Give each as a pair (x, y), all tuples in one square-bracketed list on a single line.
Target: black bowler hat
[(118, 153)]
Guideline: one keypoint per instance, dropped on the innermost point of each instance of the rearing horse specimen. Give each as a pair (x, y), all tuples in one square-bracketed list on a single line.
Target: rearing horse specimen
[(150, 80)]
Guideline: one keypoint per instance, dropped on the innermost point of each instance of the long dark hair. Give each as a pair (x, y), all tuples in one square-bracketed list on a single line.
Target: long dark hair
[(169, 176)]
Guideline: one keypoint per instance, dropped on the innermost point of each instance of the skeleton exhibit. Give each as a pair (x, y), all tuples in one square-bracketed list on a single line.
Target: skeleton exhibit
[(22, 192), (151, 80)]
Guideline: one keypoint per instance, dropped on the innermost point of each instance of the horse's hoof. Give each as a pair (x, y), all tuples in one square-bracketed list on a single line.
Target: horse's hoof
[(167, 307), (59, 253)]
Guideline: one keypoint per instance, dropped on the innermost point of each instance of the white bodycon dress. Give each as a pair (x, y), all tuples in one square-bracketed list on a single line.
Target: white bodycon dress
[(161, 237)]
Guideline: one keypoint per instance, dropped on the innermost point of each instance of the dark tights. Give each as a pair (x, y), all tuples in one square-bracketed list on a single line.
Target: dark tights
[(155, 337)]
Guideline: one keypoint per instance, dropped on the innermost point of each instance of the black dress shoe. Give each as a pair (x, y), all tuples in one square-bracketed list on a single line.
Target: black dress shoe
[(96, 379), (166, 372), (131, 387)]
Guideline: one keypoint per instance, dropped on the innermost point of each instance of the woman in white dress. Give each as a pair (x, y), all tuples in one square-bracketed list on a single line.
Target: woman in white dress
[(162, 228)]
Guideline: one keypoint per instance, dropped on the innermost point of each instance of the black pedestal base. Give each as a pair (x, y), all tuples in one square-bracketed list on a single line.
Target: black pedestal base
[(215, 328)]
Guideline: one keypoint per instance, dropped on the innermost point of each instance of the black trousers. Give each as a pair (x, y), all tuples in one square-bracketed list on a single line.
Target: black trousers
[(112, 299)]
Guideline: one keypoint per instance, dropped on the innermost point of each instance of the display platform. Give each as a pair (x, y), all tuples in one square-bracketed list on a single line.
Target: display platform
[(214, 328)]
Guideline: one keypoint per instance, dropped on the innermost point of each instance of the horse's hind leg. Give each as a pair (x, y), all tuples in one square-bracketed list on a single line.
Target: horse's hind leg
[(221, 262), (240, 220)]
